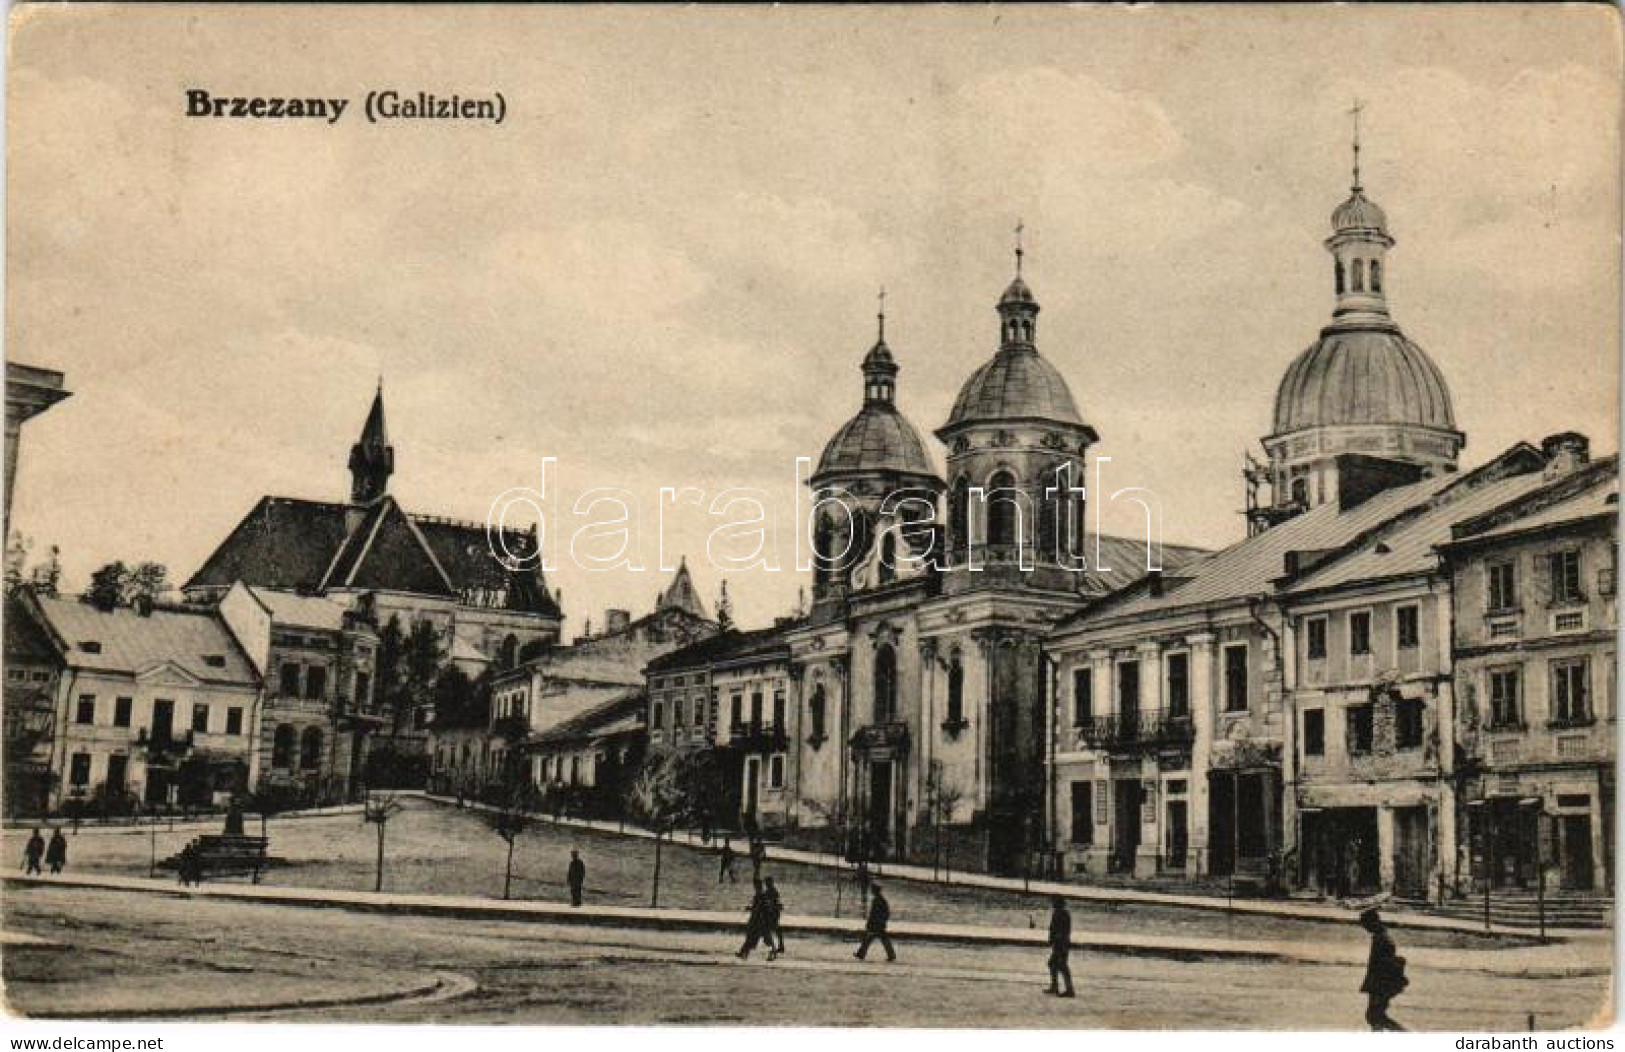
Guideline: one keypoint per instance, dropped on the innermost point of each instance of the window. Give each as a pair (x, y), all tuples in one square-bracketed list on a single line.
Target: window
[(1505, 708), (1408, 723), (1359, 275), (290, 679), (363, 689), (1408, 627), (736, 710), (778, 710), (1338, 268), (86, 710), (1376, 275), (1179, 685), (282, 746), (1565, 569), (956, 692), (677, 714), (16, 675), (1360, 632), (1128, 688), (885, 683), (1315, 638), (79, 770), (316, 682), (200, 718), (118, 767), (888, 558), (1003, 513), (234, 720), (756, 708), (1359, 729), (1570, 694), (163, 719), (575, 770), (1314, 732), (1083, 696), (1235, 678), (121, 711), (815, 710), (310, 749), (699, 709), (1083, 813), (657, 718), (775, 772), (1300, 492), (1501, 585)]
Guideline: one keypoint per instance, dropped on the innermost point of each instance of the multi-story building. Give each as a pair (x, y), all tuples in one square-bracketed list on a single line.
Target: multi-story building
[(317, 657), (1535, 621), (584, 764), (158, 704), (30, 701)]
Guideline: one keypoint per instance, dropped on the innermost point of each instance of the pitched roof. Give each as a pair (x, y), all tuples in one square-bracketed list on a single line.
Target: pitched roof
[(301, 545), (125, 641), (682, 595), (723, 646), (621, 713), (1599, 497), (25, 639), (304, 611)]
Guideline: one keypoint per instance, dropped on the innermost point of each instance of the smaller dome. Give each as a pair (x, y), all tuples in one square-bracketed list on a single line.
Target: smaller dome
[(879, 438), (879, 357), (1015, 385), (1018, 292), (1357, 214)]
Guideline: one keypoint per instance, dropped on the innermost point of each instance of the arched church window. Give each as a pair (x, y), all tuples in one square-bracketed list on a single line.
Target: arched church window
[(1003, 514), (885, 683), (1338, 268), (956, 691), (310, 749), (1300, 492), (888, 558), (1052, 513), (958, 521), (1376, 275), (1359, 275)]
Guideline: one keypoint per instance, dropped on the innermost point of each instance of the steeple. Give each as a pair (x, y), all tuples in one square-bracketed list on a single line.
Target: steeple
[(1359, 246), (1018, 310), (879, 369), (372, 458), (681, 594)]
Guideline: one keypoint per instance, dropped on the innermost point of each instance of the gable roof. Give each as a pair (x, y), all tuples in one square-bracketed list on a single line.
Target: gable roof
[(131, 643), (301, 611), (386, 551), (1593, 496), (682, 595), (618, 715), (723, 646), (281, 543)]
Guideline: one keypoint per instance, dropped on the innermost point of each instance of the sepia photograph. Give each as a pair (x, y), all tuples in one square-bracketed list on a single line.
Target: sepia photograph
[(1059, 518)]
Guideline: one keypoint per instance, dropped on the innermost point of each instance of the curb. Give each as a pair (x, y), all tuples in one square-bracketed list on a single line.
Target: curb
[(421, 989)]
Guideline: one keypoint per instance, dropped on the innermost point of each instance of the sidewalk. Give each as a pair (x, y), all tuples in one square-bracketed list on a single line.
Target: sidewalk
[(1394, 916), (214, 820), (1529, 962)]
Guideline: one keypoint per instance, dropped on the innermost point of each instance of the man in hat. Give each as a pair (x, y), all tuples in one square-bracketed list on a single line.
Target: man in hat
[(1060, 947), (1384, 973), (875, 927)]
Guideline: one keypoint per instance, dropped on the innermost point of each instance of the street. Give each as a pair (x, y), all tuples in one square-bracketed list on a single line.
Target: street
[(141, 954)]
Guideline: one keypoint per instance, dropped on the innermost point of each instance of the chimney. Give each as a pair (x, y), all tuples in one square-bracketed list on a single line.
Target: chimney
[(1565, 452), (616, 621)]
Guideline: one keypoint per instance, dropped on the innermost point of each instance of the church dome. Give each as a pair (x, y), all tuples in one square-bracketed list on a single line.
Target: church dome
[(1015, 385), (1359, 214), (1362, 375), (878, 438)]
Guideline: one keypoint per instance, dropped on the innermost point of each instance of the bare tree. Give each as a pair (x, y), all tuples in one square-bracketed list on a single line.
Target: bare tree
[(659, 798), (510, 817), (942, 799), (379, 810)]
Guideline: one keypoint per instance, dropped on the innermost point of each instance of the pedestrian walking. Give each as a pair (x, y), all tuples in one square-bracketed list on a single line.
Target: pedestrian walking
[(725, 867), (758, 855), (190, 866), (576, 877), (755, 921), (1060, 947), (33, 851), (56, 853), (773, 916), (875, 927), (1384, 973)]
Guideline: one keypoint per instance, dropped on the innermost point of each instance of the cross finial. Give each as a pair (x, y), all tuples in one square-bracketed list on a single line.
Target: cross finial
[(881, 314), (1355, 111), (1020, 226)]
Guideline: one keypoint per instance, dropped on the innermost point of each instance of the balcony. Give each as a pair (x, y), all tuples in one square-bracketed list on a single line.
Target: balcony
[(1135, 730), (759, 736), (164, 747), (890, 738)]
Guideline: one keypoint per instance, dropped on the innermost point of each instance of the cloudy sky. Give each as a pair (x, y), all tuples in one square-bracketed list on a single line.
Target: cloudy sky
[(661, 270)]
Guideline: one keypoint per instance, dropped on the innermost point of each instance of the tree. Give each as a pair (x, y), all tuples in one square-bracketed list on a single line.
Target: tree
[(118, 584), (107, 585), (17, 549), (659, 798), (942, 799), (421, 662), (46, 577), (379, 810), (509, 817), (387, 669)]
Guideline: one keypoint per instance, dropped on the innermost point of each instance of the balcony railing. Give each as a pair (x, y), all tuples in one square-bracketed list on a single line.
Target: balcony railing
[(1135, 730), (759, 736)]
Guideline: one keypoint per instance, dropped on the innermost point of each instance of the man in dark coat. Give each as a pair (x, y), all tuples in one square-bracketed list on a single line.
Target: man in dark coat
[(56, 853), (1384, 973), (755, 921), (1060, 947), (772, 929), (576, 877), (875, 928), (725, 867), (33, 851)]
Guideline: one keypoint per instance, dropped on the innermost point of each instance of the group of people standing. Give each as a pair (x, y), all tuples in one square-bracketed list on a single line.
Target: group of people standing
[(54, 854)]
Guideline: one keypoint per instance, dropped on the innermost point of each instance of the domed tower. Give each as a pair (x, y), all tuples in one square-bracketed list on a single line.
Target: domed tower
[(1363, 397), (875, 455), (1016, 435)]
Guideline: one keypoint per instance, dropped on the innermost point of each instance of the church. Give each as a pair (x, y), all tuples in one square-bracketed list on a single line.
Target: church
[(918, 722)]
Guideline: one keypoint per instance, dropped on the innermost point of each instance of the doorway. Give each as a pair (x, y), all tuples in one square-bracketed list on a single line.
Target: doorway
[(1178, 836), (1411, 852), (753, 780), (880, 806), (1126, 824), (1576, 852)]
